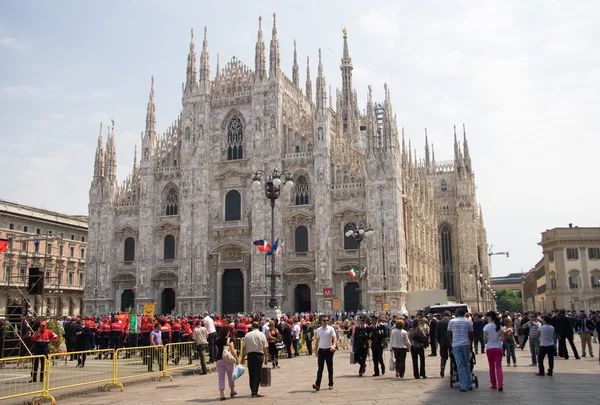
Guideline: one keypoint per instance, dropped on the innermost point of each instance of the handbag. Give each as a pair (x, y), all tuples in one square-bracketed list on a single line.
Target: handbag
[(352, 359), (265, 377), (392, 363), (227, 356)]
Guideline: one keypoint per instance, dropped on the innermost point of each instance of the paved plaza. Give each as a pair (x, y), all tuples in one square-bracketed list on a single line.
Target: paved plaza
[(574, 382)]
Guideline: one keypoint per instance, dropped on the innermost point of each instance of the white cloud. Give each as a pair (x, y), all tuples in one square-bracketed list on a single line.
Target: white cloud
[(14, 43)]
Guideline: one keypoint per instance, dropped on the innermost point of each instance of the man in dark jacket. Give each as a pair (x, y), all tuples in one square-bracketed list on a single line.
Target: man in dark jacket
[(432, 332), (441, 337), (71, 329), (478, 325), (564, 330)]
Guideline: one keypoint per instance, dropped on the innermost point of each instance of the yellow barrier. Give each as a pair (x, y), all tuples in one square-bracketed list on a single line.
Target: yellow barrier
[(134, 362), (180, 355), (16, 376), (86, 367)]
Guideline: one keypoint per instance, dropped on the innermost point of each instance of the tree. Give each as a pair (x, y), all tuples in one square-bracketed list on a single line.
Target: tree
[(508, 300)]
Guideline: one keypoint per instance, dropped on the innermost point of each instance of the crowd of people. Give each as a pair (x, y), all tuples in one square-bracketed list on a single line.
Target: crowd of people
[(229, 340)]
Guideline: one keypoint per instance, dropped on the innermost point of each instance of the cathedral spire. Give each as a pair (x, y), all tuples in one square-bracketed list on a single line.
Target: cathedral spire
[(110, 163), (295, 69), (433, 158), (190, 81), (466, 148), (134, 171), (274, 53), (321, 87), (457, 153), (308, 81), (204, 66), (218, 66), (347, 98), (259, 54), (371, 121), (99, 160), (427, 161), (151, 113)]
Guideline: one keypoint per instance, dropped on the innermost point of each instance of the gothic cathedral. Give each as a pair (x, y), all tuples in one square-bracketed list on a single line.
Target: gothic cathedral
[(179, 230)]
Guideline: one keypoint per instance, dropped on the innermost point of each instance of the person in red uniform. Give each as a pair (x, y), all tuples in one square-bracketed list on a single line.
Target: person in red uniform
[(104, 336), (186, 336), (41, 341), (116, 333)]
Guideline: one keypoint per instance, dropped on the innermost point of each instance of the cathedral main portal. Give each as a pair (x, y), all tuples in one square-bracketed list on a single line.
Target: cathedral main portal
[(233, 291), (302, 298), (351, 297)]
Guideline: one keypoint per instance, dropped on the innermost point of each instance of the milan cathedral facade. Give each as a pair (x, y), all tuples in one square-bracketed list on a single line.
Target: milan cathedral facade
[(178, 231)]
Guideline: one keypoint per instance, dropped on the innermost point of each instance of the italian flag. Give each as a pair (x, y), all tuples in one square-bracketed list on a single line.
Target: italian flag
[(353, 273)]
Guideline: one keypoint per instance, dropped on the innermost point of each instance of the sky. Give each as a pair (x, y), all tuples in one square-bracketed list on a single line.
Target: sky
[(523, 76)]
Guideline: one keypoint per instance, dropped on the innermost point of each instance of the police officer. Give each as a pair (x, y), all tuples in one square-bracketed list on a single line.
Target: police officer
[(377, 335), (361, 343), (41, 342)]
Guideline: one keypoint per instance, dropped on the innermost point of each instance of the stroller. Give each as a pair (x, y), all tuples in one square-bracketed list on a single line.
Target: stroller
[(454, 371)]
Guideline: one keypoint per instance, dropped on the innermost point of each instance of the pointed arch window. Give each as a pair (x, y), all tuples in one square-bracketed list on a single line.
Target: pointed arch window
[(129, 250), (301, 191), (235, 139), (169, 248), (444, 186), (233, 206), (446, 256), (172, 202), (350, 242), (301, 239)]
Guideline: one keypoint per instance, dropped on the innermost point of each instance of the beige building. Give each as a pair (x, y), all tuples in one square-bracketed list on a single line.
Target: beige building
[(568, 275), (55, 244), (179, 230)]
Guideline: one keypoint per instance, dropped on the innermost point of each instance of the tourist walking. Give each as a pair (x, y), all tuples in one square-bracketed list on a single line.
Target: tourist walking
[(256, 347), (272, 340), (225, 367), (326, 346), (510, 343), (460, 336), (418, 338), (400, 346), (493, 334), (545, 335), (534, 343)]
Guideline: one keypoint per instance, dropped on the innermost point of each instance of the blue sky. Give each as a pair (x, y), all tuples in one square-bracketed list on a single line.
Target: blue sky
[(523, 76)]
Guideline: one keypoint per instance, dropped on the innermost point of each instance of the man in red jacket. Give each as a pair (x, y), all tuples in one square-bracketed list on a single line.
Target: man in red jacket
[(41, 341), (116, 333)]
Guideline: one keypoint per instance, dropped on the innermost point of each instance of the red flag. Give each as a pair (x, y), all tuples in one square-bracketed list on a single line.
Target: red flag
[(3, 245)]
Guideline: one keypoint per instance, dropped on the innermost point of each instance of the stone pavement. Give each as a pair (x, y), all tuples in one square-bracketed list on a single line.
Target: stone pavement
[(574, 382)]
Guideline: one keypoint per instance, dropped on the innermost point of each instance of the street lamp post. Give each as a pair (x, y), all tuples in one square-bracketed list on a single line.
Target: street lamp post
[(359, 233), (272, 183)]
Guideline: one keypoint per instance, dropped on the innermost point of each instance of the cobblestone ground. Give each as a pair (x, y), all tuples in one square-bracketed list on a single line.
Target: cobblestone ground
[(574, 382)]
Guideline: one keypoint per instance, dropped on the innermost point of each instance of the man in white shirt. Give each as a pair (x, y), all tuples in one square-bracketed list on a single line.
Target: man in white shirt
[(201, 340), (209, 324), (296, 338), (460, 336), (545, 335), (326, 346), (256, 347), (265, 327)]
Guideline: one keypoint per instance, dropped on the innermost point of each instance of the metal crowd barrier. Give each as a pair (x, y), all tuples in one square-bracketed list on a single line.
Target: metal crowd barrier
[(181, 355), (75, 369), (135, 362), (16, 374)]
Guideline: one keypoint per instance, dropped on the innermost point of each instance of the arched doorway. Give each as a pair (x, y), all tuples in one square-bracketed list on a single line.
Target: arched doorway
[(127, 300), (167, 301), (302, 298), (232, 291), (351, 297)]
